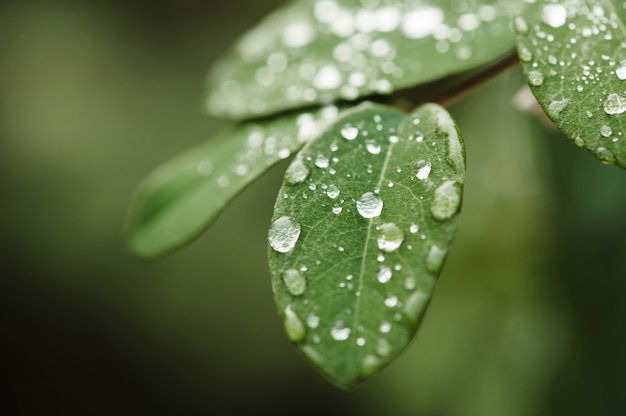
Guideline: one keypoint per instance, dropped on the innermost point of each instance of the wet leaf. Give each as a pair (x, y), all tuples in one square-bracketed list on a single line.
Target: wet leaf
[(356, 247), (574, 57), (182, 197), (321, 51)]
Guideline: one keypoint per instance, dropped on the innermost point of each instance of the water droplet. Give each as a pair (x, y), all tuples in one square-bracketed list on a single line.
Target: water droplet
[(349, 132), (589, 114), (606, 131), (337, 209), (446, 201), (414, 228), (435, 258), (333, 191), (579, 141), (554, 15), (605, 155), (415, 305), (391, 301), (423, 169), (525, 54), (340, 332), (321, 161), (410, 283), (312, 321), (621, 70), (421, 21), (360, 341), (293, 325), (370, 365), (536, 78), (284, 234), (383, 347), (373, 147), (614, 104), (384, 274), (385, 327), (520, 26), (223, 181), (390, 238), (295, 282), (369, 205), (328, 78), (556, 107), (297, 172)]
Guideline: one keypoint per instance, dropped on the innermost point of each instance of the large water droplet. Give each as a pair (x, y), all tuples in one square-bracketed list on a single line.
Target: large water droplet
[(423, 169), (614, 104), (384, 274), (295, 282), (349, 132), (415, 305), (605, 155), (333, 191), (391, 301), (556, 107), (621, 70), (293, 325), (284, 234), (297, 172), (554, 15), (435, 258), (536, 78), (520, 26), (340, 332), (321, 161), (369, 205), (383, 347), (446, 201), (606, 131), (390, 238)]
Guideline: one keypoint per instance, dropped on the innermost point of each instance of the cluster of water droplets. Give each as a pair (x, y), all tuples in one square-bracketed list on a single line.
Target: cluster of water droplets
[(580, 49), (371, 50)]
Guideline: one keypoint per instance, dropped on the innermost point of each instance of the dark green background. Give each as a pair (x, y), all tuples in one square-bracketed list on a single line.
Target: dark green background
[(528, 318)]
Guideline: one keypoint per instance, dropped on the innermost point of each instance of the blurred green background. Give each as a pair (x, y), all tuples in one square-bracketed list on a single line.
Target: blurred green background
[(528, 318)]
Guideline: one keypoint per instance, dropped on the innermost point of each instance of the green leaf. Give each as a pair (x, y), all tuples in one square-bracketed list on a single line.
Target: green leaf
[(181, 198), (357, 243), (574, 57), (321, 51)]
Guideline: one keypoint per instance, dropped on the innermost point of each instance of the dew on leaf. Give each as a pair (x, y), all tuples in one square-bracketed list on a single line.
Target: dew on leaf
[(283, 234), (295, 282), (421, 21), (554, 15), (536, 78), (349, 132), (370, 365), (312, 321), (337, 209), (340, 332), (606, 131), (385, 327), (321, 161), (369, 205), (605, 155), (384, 274), (373, 147), (390, 237), (614, 104), (333, 191), (446, 201), (423, 169), (415, 305), (435, 258), (383, 347), (410, 283), (391, 301), (328, 78), (556, 107), (297, 172), (293, 325), (414, 228), (621, 70)]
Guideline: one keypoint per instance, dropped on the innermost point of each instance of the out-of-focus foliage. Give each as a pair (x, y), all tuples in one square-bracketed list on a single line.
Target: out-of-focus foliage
[(526, 319)]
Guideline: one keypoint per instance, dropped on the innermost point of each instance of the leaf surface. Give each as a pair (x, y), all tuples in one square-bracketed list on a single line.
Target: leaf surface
[(182, 197), (321, 51), (358, 240), (574, 57)]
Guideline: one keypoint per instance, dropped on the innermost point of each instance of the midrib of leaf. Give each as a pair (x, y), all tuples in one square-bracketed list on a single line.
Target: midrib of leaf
[(357, 306)]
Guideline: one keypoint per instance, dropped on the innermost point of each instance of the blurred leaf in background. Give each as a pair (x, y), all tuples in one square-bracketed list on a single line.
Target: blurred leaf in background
[(527, 319)]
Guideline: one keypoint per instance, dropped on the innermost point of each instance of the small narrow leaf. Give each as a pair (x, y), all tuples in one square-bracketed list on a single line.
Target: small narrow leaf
[(356, 247), (181, 198), (321, 51), (574, 57)]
